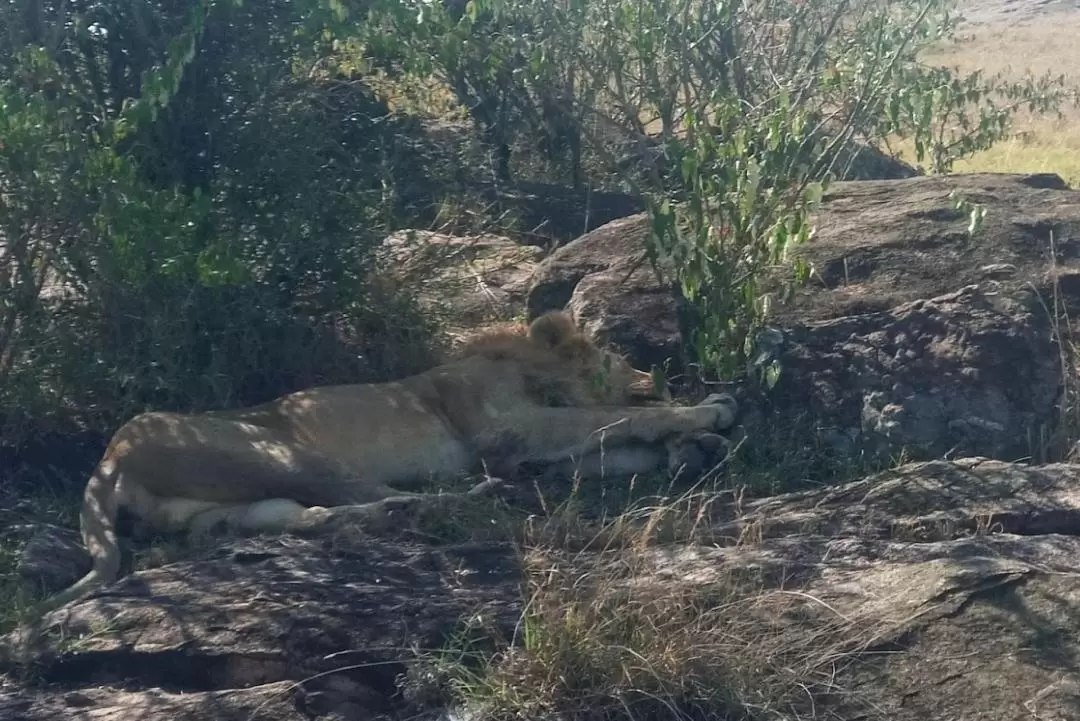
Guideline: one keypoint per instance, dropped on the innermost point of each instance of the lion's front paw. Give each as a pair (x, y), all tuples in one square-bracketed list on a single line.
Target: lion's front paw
[(489, 487), (726, 410), (693, 454)]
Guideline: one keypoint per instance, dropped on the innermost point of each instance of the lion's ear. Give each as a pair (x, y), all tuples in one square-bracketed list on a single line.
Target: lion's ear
[(552, 329)]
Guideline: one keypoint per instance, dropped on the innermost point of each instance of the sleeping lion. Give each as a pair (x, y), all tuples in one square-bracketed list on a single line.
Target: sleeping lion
[(541, 395)]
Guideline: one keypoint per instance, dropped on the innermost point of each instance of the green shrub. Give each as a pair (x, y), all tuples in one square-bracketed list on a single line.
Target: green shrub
[(730, 118), (189, 209)]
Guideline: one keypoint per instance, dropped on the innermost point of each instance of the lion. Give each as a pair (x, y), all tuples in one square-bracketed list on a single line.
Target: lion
[(538, 394)]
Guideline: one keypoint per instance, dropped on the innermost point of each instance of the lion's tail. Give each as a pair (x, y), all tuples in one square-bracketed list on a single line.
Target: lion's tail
[(98, 521)]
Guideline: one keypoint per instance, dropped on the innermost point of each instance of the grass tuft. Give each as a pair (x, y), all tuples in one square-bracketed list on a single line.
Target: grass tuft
[(616, 632)]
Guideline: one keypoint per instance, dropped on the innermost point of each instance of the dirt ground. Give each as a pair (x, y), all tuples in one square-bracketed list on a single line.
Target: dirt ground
[(992, 12)]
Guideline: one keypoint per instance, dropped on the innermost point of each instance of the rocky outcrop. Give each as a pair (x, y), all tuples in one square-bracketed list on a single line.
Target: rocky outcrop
[(911, 336), (882, 243), (927, 502), (935, 590), (237, 633), (970, 372), (953, 583)]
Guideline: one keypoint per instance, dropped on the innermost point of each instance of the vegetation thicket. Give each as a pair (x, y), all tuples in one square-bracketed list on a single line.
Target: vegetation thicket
[(192, 192)]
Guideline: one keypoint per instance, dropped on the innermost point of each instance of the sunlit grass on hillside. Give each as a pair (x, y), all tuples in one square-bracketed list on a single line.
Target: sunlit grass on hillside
[(1037, 144)]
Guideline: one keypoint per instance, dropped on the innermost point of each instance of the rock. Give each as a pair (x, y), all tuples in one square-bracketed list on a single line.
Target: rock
[(934, 590), (878, 372), (237, 628), (52, 560), (882, 243), (265, 702), (968, 373), (958, 567), (927, 502), (973, 373)]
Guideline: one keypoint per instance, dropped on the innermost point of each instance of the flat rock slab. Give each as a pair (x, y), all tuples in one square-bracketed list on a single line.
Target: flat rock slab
[(258, 614), (883, 243), (930, 501), (270, 702), (939, 590), (973, 628)]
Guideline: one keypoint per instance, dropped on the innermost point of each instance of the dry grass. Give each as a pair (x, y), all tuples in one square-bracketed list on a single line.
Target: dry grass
[(1038, 144), (616, 632)]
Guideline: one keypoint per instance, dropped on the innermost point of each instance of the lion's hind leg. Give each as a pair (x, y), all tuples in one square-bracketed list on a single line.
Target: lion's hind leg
[(389, 513), (273, 515), (284, 515)]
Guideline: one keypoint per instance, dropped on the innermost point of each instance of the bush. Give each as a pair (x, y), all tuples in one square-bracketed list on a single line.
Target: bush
[(730, 118), (189, 211)]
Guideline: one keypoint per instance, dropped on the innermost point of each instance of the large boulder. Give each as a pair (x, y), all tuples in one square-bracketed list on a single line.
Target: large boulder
[(935, 590), (969, 372), (882, 243), (870, 367)]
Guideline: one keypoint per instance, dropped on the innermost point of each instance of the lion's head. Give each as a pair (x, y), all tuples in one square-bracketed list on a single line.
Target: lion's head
[(565, 367)]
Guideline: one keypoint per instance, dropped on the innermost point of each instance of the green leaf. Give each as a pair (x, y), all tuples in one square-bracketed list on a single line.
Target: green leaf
[(772, 374)]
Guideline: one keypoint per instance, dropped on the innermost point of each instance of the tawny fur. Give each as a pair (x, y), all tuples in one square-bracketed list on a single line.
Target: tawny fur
[(542, 395)]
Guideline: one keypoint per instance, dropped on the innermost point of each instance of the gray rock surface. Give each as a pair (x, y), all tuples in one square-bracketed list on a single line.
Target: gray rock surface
[(969, 372), (250, 629), (939, 590), (604, 278), (911, 336)]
